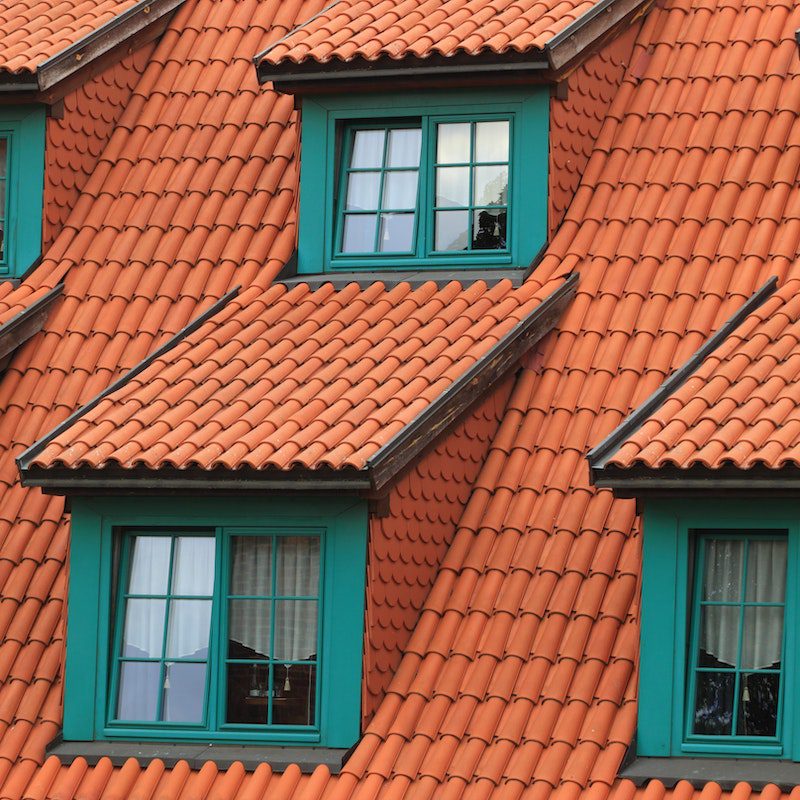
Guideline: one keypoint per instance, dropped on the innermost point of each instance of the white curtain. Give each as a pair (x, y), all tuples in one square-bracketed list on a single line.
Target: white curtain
[(762, 632), (297, 573)]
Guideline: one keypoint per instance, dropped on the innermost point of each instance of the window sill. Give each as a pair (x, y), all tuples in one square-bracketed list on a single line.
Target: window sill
[(279, 758), (727, 772)]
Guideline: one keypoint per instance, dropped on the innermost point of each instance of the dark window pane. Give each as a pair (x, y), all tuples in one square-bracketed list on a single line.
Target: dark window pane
[(184, 692), (295, 689), (248, 694), (489, 229), (251, 565), (713, 708), (249, 629), (138, 690), (758, 706)]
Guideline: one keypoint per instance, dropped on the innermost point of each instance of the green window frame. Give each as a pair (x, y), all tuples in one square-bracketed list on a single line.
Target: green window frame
[(100, 556), (674, 532), (326, 142), (23, 130)]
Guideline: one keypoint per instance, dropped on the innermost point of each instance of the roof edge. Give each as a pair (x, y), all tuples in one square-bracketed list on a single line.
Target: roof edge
[(101, 41), (602, 452), (435, 418), (26, 323), (25, 458)]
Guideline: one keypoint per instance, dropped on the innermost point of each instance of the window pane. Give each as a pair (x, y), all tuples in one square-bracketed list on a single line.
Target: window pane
[(295, 630), (719, 636), (723, 569), (367, 149), (714, 703), (359, 233), (189, 625), (295, 689), (143, 635), (362, 190), (251, 565), (491, 141), (150, 565), (452, 143), (404, 146), (452, 186), (452, 230), (489, 229), (193, 573), (249, 629), (138, 690), (298, 566), (762, 637), (3, 157), (758, 708), (766, 571), (397, 233), (491, 186), (184, 692), (400, 190), (247, 694)]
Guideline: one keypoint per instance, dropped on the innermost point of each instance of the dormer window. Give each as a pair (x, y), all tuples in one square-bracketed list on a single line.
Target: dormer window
[(423, 181)]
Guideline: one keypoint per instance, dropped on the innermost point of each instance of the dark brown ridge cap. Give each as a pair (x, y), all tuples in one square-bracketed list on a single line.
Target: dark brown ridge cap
[(599, 456)]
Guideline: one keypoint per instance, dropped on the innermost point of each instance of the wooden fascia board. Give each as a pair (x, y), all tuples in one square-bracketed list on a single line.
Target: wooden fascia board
[(27, 322)]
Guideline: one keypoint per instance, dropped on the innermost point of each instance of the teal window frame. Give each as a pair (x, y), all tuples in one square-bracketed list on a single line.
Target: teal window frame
[(671, 528), (96, 567), (323, 163), (23, 127)]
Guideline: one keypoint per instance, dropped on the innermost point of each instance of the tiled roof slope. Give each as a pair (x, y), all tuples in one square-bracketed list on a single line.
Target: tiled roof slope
[(76, 138), (287, 378), (683, 790), (518, 682), (742, 405), (368, 29), (31, 31)]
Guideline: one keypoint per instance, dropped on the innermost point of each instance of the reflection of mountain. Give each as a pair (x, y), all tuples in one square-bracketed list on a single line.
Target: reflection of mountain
[(495, 193)]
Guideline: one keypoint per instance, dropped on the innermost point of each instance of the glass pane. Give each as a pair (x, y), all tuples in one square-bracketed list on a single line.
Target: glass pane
[(138, 690), (298, 566), (489, 229), (359, 233), (452, 230), (762, 638), (766, 571), (251, 565), (362, 191), (189, 624), (758, 706), (452, 143), (713, 712), (400, 190), (367, 149), (397, 233), (3, 158), (184, 692), (452, 186), (143, 635), (149, 565), (193, 573), (248, 694), (404, 145), (491, 141), (249, 628), (295, 694), (719, 636), (491, 186), (723, 569), (295, 630)]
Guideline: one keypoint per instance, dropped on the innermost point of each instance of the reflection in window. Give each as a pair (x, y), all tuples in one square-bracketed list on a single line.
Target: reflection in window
[(381, 187), (738, 635)]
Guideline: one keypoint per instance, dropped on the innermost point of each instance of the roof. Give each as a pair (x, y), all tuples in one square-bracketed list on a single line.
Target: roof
[(51, 38), (293, 378), (371, 31), (738, 407), (518, 682)]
